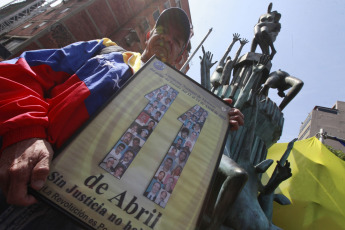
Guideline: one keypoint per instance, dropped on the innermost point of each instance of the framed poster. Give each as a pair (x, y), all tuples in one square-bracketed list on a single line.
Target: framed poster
[(147, 159)]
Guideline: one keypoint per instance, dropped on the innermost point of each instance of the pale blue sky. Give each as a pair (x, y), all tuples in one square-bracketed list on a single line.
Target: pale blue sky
[(309, 46)]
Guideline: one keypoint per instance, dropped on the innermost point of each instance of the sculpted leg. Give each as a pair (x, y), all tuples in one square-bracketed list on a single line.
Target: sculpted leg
[(235, 178)]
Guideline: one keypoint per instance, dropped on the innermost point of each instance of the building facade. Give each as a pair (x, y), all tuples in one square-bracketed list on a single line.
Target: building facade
[(53, 23), (331, 120)]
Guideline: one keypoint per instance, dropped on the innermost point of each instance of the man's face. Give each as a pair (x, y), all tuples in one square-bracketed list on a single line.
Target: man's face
[(177, 171), (128, 156), (118, 149), (173, 95), (163, 195), (182, 156), (127, 138), (135, 128), (118, 171), (156, 187), (110, 163), (159, 96), (151, 124), (150, 109), (161, 175), (168, 164), (136, 142), (174, 150), (184, 135), (143, 134), (194, 136), (166, 43)]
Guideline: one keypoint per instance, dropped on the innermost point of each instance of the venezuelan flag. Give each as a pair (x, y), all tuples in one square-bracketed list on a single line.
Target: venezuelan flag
[(50, 93)]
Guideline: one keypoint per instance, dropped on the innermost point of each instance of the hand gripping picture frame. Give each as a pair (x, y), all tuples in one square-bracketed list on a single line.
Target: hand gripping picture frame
[(146, 160)]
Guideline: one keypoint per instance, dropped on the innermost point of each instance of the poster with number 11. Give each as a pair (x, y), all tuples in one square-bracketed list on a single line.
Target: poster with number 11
[(147, 159)]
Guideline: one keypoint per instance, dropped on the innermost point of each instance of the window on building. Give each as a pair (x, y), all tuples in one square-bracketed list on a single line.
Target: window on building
[(42, 24), (27, 25), (305, 123), (167, 5), (155, 15), (12, 43), (303, 136), (178, 3), (65, 10)]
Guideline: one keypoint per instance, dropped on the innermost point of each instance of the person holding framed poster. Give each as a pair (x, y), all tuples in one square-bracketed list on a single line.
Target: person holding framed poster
[(46, 98)]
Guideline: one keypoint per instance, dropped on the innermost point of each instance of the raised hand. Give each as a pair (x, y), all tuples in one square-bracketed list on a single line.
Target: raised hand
[(244, 41), (236, 37), (261, 64), (284, 172), (207, 58)]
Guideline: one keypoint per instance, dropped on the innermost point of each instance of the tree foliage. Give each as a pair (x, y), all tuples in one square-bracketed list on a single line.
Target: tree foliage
[(336, 152)]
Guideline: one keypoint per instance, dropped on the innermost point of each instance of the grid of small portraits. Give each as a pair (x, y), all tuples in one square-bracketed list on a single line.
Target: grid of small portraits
[(127, 147), (169, 171)]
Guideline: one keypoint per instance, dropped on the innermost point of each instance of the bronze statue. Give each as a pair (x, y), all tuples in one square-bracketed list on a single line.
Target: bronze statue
[(229, 181), (282, 81), (281, 172), (238, 199), (254, 78), (216, 76), (205, 65), (229, 65), (266, 32)]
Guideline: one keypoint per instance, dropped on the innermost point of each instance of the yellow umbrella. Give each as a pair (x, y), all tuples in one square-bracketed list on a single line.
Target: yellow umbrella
[(316, 188)]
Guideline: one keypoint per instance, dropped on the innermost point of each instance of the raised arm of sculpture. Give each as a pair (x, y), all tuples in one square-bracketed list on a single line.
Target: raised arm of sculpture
[(266, 32), (280, 173), (229, 65), (282, 81), (205, 66), (216, 75), (236, 37)]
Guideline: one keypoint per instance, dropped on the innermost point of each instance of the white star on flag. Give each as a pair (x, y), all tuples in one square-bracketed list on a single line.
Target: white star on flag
[(116, 82), (109, 64)]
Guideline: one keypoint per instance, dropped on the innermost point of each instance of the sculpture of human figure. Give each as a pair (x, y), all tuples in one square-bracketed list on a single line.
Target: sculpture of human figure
[(216, 75), (205, 65), (229, 65), (282, 81), (266, 32)]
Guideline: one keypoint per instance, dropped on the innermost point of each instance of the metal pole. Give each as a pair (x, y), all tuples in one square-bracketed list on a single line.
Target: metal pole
[(183, 68), (321, 137)]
